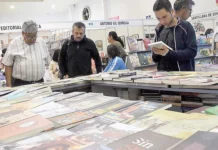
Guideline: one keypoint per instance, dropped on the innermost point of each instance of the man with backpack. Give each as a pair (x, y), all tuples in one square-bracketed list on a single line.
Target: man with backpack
[(76, 54)]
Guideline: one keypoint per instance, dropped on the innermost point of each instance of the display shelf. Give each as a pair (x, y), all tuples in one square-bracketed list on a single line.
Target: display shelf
[(203, 45), (206, 57), (143, 51)]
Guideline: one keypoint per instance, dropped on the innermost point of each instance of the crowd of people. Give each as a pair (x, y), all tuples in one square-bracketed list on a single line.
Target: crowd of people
[(27, 56)]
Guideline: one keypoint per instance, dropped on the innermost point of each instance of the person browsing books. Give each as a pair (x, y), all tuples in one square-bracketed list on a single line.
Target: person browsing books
[(115, 40), (183, 8), (76, 54), (53, 66), (115, 63), (26, 58), (179, 35)]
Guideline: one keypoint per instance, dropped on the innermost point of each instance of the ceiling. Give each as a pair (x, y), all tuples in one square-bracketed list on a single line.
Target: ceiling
[(35, 6)]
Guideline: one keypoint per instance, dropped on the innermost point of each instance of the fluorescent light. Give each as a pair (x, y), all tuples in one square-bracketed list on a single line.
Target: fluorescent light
[(53, 6), (12, 7)]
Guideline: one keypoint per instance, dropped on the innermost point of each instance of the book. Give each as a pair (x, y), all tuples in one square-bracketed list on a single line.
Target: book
[(199, 141), (91, 102), (186, 127), (46, 107), (199, 110), (67, 96), (118, 117), (114, 106), (107, 135), (97, 147), (144, 140), (77, 98), (24, 129), (37, 140), (71, 118), (212, 110), (15, 118), (157, 119), (143, 108), (5, 113)]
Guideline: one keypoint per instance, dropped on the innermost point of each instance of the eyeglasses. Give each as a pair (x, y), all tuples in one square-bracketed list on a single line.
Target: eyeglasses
[(30, 36)]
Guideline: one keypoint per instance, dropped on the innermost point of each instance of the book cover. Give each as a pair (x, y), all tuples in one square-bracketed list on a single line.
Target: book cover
[(97, 123), (212, 110), (143, 108), (144, 140), (157, 119), (199, 141), (46, 107), (67, 96), (36, 140), (92, 102), (5, 113), (71, 118), (118, 117), (107, 135), (186, 127), (114, 106), (56, 112), (24, 129), (77, 98), (15, 118), (199, 110)]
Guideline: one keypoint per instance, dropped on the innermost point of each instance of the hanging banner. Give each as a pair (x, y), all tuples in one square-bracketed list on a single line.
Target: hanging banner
[(17, 27), (205, 15)]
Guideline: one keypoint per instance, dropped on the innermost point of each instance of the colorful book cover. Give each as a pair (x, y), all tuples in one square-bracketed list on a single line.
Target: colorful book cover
[(144, 140), (143, 108), (71, 118), (212, 110), (56, 112), (117, 117), (15, 118), (37, 140), (24, 129), (67, 96), (157, 119), (186, 127), (199, 141), (107, 135), (114, 106)]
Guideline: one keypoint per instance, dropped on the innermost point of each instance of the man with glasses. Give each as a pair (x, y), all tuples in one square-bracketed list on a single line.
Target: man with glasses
[(179, 35), (183, 8), (26, 58)]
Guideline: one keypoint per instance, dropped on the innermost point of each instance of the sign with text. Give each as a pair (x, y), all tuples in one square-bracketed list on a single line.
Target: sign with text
[(205, 15)]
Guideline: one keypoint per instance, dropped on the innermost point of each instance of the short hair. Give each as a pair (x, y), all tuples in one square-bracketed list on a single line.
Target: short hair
[(160, 4), (179, 4), (79, 25), (112, 51), (56, 55), (29, 27)]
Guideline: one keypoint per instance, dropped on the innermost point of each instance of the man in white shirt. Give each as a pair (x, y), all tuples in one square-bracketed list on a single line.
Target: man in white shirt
[(26, 58)]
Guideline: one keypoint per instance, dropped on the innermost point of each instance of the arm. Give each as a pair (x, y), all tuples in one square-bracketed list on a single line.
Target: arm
[(8, 75), (156, 58), (189, 52), (114, 65), (62, 62), (96, 57), (8, 61)]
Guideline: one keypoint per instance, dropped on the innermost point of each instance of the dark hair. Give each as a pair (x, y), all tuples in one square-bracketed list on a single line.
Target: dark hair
[(112, 51), (179, 4), (160, 4), (209, 31), (116, 38), (4, 51), (56, 55), (79, 25)]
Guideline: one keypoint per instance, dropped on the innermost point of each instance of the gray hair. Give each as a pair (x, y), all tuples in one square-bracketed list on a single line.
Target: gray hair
[(179, 4), (29, 27)]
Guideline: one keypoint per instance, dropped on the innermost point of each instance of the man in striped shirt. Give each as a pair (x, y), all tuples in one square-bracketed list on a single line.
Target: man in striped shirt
[(26, 58)]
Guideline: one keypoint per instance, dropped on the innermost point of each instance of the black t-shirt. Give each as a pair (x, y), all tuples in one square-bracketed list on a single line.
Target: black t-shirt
[(167, 36)]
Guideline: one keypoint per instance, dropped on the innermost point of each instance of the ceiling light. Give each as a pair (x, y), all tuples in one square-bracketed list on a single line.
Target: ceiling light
[(53, 6), (12, 6)]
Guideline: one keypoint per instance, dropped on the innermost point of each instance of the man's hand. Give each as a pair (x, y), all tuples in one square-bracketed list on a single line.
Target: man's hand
[(66, 77), (163, 51)]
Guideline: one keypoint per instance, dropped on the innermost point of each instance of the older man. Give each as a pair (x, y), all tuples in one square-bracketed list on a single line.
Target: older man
[(183, 8), (26, 57)]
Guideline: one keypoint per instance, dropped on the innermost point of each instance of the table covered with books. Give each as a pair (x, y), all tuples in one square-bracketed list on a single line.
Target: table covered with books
[(35, 117)]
